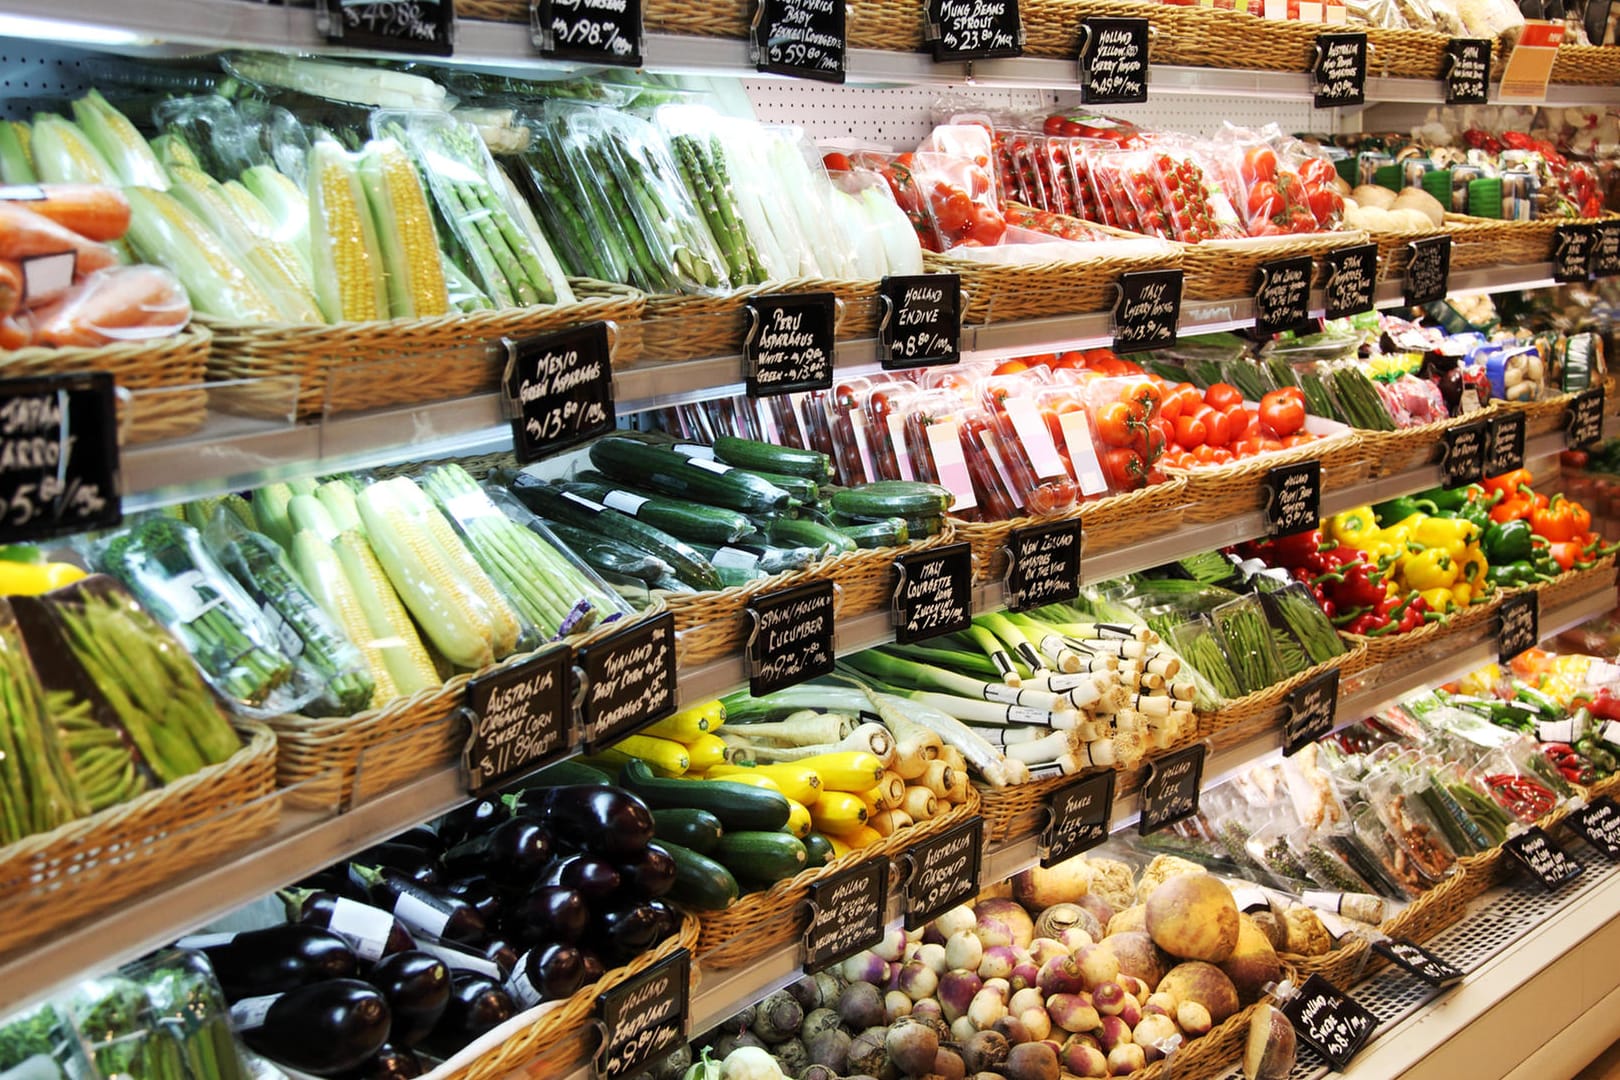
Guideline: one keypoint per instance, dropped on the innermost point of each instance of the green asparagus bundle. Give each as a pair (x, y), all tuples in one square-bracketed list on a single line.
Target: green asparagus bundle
[(104, 763), (38, 790), (191, 1009), (702, 165), (115, 1019), (592, 244)]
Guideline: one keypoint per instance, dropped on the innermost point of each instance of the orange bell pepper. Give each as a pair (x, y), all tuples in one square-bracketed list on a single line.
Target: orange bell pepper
[(1509, 483), (1557, 521)]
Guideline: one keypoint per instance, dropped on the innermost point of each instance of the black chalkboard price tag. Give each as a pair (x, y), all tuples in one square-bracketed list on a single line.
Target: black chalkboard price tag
[(1428, 270), (1468, 71), (629, 680), (1419, 961), (598, 31), (1507, 444), (1282, 298), (1043, 564), (792, 639), (1113, 61), (1170, 792), (1352, 274), (1574, 250), (1599, 822), (1329, 1020), (1540, 854), (933, 592), (1464, 449), (644, 1017), (1518, 619), (944, 872), (802, 38), (419, 26), (1147, 310), (1583, 422), (846, 914), (975, 29), (1341, 70), (522, 718), (559, 389), (1293, 498), (790, 342), (1606, 259), (58, 456), (1080, 816), (1312, 707), (922, 320)]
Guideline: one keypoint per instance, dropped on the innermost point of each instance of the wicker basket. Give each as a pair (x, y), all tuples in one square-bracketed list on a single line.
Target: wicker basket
[(1216, 493), (53, 879), (1393, 254), (1390, 453), (1545, 416), (348, 760), (866, 578), (1588, 65), (1213, 1054), (1222, 269), (1262, 703), (693, 327), (165, 378), (559, 1041), (1409, 54), (1478, 242), (350, 367), (895, 844), (1018, 810), (1569, 587), (1196, 37), (995, 293)]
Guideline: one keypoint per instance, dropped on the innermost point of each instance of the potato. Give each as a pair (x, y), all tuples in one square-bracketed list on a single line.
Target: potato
[(1253, 962), (1194, 917), (1408, 219), (1371, 195), (1414, 198), (1269, 1052), (1203, 984), (1137, 955)]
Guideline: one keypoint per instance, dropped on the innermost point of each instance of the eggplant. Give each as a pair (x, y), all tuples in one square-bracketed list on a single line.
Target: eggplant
[(591, 964), (477, 1005), (650, 874), (422, 867), (501, 953), (482, 894), (417, 988), (669, 920), (606, 820), (547, 913), (429, 911), (627, 932), (370, 931), (596, 879), (546, 973), (469, 819), (278, 959), (389, 1063), (326, 1028), (334, 879), (513, 852), (425, 837)]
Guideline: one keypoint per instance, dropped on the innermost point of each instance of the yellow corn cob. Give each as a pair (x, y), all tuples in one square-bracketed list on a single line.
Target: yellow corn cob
[(343, 239), (63, 154), (504, 623), (851, 770), (798, 822), (322, 574), (837, 813), (388, 627), (163, 232), (796, 781), (25, 137), (706, 751), (256, 216), (172, 150), (410, 248), (663, 755), (445, 606), (338, 498)]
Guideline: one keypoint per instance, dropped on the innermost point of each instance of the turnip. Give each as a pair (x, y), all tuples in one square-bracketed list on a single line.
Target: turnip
[(1152, 1032), (1000, 986), (1130, 1010), (1041, 887), (1109, 997), (1125, 1059), (817, 1021), (1203, 983), (963, 949), (1097, 965), (1024, 974), (1134, 986), (987, 1007), (1193, 1018), (1073, 1012), (1194, 917), (895, 1005), (1084, 1059), (892, 945), (932, 935), (1112, 1032), (1038, 1021), (1163, 1004), (1031, 1061), (929, 1011), (865, 966), (962, 1029), (1061, 975), (1132, 918), (998, 962), (1013, 1029), (918, 980), (1099, 908), (957, 919), (861, 1005), (1001, 921), (956, 990), (1137, 956), (933, 956), (1076, 938), (948, 1065), (910, 951), (912, 1046), (830, 1048), (1043, 949), (1253, 962), (868, 1053), (985, 1052), (1060, 917), (1027, 998), (1269, 1052)]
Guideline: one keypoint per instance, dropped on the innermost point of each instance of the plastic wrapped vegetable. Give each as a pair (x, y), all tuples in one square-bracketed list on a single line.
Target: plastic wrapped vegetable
[(190, 1008), (115, 1019), (347, 257), (124, 303), (40, 1043), (411, 264), (38, 789), (590, 242)]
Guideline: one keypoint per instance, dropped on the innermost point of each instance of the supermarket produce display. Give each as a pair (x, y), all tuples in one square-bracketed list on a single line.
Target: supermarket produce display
[(484, 673)]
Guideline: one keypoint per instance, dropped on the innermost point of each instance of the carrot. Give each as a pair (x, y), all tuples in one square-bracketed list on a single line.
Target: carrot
[(11, 283), (91, 210), (24, 234), (14, 333), (127, 302)]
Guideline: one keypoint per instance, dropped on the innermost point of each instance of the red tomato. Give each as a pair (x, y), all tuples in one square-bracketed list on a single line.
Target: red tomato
[(1219, 428), (988, 225), (1326, 205), (1248, 446), (1071, 359), (1124, 469), (1150, 442), (1115, 424), (1010, 367), (1281, 414), (1222, 396), (1204, 455), (1170, 407), (1259, 164), (1190, 431), (1144, 394), (835, 161), (1221, 456), (1053, 125), (953, 213), (1265, 202), (1298, 440)]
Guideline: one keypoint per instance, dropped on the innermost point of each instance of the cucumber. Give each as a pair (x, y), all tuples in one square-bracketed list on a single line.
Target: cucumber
[(605, 554), (818, 850), (681, 519), (568, 773), (803, 491), (552, 504), (892, 498), (799, 532), (632, 461), (734, 577), (759, 456), (696, 830), (890, 532), (700, 883), (738, 806), (763, 857), (766, 558)]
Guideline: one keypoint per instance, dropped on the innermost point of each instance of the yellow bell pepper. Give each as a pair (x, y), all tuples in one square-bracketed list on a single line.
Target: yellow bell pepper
[(32, 579), (1451, 535), (1439, 599), (1430, 569), (1474, 569), (1462, 593), (1482, 682), (1354, 527)]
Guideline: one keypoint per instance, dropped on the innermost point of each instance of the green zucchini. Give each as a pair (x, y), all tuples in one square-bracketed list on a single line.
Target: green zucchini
[(763, 857), (632, 461), (892, 498), (763, 557), (734, 577), (890, 532), (803, 491), (800, 532), (697, 830), (604, 554), (818, 850), (700, 883), (759, 456), (681, 519), (738, 806)]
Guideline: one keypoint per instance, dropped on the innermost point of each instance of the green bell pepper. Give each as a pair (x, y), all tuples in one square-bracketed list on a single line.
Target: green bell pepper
[(1508, 541), (1388, 513)]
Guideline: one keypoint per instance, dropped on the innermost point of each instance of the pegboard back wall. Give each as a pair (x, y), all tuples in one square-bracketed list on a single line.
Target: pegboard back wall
[(902, 116), (32, 71)]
